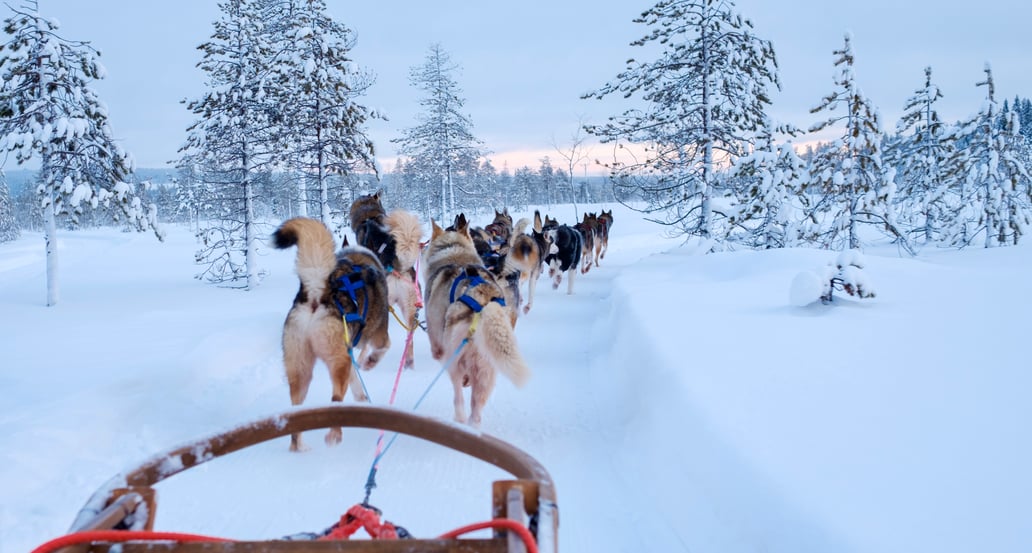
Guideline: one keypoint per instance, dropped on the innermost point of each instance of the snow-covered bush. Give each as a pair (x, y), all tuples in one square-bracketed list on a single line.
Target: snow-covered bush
[(845, 274)]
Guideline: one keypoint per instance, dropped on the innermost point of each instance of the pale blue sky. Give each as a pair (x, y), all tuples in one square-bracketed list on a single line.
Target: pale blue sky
[(525, 64)]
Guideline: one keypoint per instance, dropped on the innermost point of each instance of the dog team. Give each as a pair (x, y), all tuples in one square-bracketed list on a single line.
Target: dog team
[(472, 279)]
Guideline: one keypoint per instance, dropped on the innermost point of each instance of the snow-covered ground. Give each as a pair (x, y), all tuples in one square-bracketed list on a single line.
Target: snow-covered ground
[(680, 401)]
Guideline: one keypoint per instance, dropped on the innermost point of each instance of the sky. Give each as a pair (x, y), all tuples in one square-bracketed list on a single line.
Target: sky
[(524, 65), (680, 401)]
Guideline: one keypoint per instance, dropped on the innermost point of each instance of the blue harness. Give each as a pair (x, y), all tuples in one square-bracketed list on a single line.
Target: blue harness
[(474, 280), (351, 283)]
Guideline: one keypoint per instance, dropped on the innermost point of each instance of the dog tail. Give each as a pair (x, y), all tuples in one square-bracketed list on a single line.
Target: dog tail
[(315, 250), (408, 232), (520, 228), (496, 340)]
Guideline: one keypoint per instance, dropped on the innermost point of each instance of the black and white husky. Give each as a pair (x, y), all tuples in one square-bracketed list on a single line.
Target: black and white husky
[(564, 252)]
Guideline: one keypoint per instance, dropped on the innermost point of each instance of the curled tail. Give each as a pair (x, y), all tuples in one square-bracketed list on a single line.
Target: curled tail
[(316, 257), (407, 232), (495, 340)]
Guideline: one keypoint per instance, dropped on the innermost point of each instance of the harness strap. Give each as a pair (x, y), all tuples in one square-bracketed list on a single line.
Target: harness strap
[(352, 283), (474, 281)]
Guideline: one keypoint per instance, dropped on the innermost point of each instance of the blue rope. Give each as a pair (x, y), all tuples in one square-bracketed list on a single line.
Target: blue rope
[(371, 481)]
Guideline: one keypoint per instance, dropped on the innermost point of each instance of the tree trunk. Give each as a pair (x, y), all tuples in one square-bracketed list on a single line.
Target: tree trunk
[(250, 236), (302, 192), (706, 216), (50, 235)]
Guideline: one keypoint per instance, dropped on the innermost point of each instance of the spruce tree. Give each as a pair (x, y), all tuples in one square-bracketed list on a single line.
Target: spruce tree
[(236, 132), (8, 224), (323, 123), (442, 146), (995, 198), (704, 95), (925, 180), (774, 175), (854, 186), (50, 113)]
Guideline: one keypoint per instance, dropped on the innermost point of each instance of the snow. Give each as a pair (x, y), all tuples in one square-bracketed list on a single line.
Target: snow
[(680, 401)]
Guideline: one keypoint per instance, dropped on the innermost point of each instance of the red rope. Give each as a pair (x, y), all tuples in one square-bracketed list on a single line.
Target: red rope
[(499, 524), (120, 536), (362, 517), (350, 522)]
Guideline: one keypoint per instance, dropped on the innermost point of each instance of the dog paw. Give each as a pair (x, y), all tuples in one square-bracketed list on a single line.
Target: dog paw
[(297, 446), (334, 437)]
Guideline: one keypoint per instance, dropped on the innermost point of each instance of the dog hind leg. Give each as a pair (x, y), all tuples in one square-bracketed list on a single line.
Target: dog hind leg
[(341, 375), (299, 359)]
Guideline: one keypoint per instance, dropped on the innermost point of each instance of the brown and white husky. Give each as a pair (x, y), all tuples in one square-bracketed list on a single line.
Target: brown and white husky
[(347, 285), (462, 300), (395, 237)]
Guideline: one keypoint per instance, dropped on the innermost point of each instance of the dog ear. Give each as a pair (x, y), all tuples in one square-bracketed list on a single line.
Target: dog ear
[(461, 224), (437, 231), (345, 244), (537, 221)]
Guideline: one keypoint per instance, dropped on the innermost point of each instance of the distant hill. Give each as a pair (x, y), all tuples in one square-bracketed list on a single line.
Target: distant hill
[(18, 179)]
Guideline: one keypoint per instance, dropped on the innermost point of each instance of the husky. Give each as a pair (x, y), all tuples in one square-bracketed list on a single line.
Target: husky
[(350, 286), (468, 327), (605, 222), (495, 257), (395, 238), (499, 231), (527, 254), (565, 247), (588, 228)]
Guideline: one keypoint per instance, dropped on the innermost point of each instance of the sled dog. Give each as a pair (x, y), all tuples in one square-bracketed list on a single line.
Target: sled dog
[(565, 247), (347, 285), (463, 300), (394, 237), (527, 253), (605, 222)]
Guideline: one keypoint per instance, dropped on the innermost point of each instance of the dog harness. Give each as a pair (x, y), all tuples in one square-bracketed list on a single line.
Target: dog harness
[(349, 284), (474, 280)]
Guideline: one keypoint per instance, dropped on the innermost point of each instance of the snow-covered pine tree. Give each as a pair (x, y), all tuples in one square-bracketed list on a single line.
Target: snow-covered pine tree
[(237, 129), (774, 176), (523, 185), (854, 186), (705, 95), (324, 123), (50, 113), (925, 177), (442, 145), (996, 181), (8, 224)]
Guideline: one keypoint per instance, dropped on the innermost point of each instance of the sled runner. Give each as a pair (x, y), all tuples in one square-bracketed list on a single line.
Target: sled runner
[(524, 512)]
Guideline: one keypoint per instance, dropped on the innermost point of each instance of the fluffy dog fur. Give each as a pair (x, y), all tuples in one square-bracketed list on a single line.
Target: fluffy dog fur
[(402, 281), (588, 228), (605, 222), (449, 259), (527, 253), (314, 328), (395, 238), (497, 261), (500, 231), (565, 247)]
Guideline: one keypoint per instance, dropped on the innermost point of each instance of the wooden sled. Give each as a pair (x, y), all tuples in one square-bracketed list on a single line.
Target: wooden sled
[(125, 508)]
